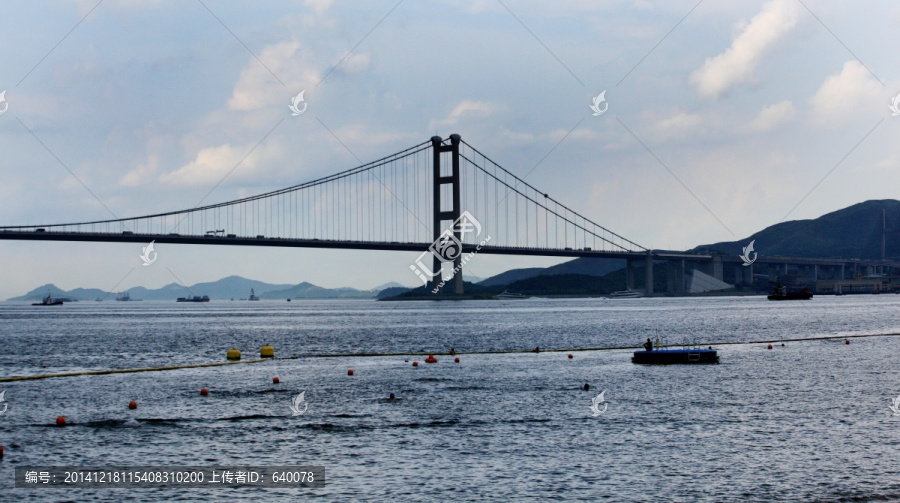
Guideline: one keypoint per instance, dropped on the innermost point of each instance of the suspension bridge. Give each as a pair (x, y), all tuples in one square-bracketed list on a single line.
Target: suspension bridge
[(442, 195)]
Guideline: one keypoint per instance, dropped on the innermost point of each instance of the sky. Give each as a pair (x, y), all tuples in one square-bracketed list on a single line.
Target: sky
[(724, 117)]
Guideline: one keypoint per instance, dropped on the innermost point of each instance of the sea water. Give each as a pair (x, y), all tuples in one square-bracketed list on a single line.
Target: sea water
[(807, 421)]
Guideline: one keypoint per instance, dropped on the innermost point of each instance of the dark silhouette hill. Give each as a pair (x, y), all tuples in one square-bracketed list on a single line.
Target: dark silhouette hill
[(850, 233)]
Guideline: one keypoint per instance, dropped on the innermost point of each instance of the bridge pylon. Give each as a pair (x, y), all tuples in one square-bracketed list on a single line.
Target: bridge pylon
[(453, 213)]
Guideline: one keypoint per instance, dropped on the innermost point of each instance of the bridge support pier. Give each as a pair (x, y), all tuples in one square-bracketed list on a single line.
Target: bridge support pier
[(648, 275), (674, 277), (453, 213), (629, 275)]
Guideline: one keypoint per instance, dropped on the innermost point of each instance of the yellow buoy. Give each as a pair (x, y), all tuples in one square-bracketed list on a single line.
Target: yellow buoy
[(233, 354), (267, 351)]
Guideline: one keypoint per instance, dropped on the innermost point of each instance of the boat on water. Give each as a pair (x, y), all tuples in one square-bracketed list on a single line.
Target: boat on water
[(125, 297), (48, 301), (289, 299), (625, 294), (195, 298), (673, 356), (687, 353), (781, 292), (252, 295), (506, 295)]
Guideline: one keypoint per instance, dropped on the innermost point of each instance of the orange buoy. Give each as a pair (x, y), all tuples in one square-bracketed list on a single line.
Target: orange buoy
[(415, 364), (275, 380), (770, 346), (847, 341), (204, 391), (452, 351), (61, 421), (350, 372), (456, 359), (132, 405), (431, 359), (570, 356)]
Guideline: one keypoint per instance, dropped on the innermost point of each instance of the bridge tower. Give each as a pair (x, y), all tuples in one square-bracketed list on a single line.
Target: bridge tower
[(439, 214)]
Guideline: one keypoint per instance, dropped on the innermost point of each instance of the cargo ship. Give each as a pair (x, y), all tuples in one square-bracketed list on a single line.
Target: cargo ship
[(780, 292), (48, 301), (195, 298)]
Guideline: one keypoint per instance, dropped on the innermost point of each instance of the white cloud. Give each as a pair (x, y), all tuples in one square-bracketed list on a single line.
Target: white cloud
[(356, 63), (318, 6), (258, 88), (679, 124), (851, 92), (214, 164), (362, 135), (141, 174), (467, 109), (736, 64), (773, 116)]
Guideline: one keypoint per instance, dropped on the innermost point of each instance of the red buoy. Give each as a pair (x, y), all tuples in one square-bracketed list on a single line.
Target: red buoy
[(431, 359), (132, 405), (770, 346), (204, 391), (61, 421), (415, 364), (456, 359), (275, 380), (570, 356), (350, 372), (847, 341), (1, 452)]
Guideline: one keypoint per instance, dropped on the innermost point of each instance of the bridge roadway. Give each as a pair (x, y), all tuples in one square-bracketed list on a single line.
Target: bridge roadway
[(674, 261), (31, 235)]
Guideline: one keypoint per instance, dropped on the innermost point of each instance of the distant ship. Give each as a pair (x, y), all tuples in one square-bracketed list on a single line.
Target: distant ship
[(511, 296), (48, 301), (780, 292), (253, 295), (625, 294), (195, 298), (125, 297)]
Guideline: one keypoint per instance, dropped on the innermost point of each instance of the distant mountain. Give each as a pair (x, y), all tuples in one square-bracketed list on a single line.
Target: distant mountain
[(226, 288), (392, 284), (309, 291), (582, 266), (76, 294), (851, 233), (233, 287), (392, 292)]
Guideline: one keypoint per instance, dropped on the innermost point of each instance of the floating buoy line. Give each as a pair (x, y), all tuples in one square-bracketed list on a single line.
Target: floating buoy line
[(431, 357), (125, 371)]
